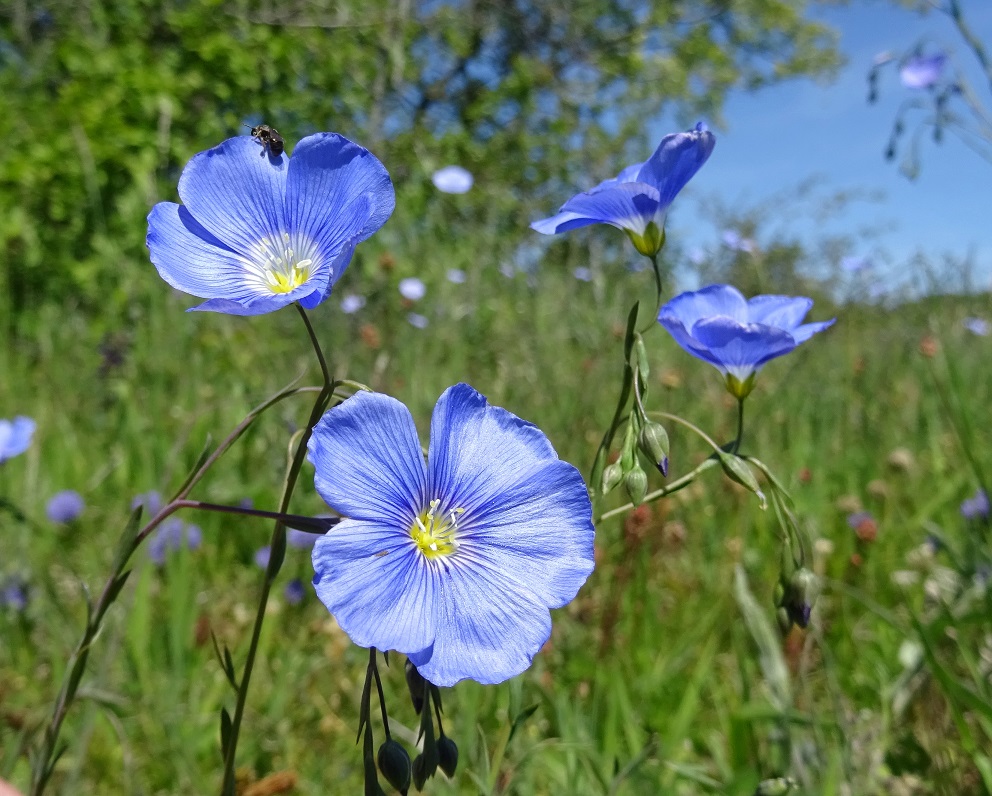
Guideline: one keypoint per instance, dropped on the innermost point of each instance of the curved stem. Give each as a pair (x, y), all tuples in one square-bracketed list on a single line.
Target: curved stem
[(692, 427), (315, 525), (278, 552), (674, 486)]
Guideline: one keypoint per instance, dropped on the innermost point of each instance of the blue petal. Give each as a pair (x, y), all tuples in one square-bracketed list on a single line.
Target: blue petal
[(741, 349), (688, 308), (630, 206), (784, 312), (489, 627), (333, 270), (337, 193), (15, 436), (807, 330), (525, 511), (683, 337), (374, 580), (192, 260), (260, 306), (368, 461), (237, 193), (676, 160)]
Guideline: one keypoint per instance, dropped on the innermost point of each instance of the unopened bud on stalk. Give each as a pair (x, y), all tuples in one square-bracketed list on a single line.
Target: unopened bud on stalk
[(636, 483), (654, 442), (394, 763)]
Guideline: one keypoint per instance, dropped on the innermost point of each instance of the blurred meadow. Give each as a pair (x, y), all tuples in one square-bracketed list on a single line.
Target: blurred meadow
[(655, 680)]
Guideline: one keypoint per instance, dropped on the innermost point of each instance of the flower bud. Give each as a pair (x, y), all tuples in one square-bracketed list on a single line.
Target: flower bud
[(800, 596), (738, 470), (394, 763), (447, 753), (420, 772), (636, 484), (654, 443), (612, 476), (416, 684)]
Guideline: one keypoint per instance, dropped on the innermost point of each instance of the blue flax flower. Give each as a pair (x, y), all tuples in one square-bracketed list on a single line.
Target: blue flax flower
[(454, 563), (15, 437), (922, 71), (638, 198), (736, 335), (65, 506), (257, 232)]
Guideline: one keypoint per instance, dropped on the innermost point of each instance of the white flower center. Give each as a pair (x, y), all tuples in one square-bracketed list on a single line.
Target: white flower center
[(282, 264)]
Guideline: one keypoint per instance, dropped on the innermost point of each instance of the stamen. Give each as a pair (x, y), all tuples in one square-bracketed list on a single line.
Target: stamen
[(435, 532), (275, 266)]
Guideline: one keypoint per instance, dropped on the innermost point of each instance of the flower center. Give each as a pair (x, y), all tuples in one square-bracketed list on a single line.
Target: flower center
[(435, 532), (281, 264)]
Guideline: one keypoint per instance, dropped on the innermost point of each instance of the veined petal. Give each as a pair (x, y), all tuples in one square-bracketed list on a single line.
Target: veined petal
[(376, 583), (538, 528), (477, 450), (785, 312), (237, 192), (741, 348), (628, 206), (683, 337), (368, 460), (802, 333), (337, 192), (192, 260), (676, 160), (489, 627)]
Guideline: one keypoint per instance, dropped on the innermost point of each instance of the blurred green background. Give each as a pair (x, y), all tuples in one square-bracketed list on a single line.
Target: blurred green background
[(652, 681)]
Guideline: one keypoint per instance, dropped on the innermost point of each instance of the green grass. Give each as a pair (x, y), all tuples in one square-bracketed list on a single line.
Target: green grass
[(651, 682)]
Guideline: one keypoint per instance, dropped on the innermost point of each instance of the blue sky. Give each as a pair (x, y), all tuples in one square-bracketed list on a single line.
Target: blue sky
[(777, 137)]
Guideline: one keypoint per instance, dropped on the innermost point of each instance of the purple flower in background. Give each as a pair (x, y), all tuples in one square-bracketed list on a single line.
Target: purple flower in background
[(976, 507), (417, 320), (732, 240), (736, 335), (854, 263), (977, 326), (412, 289), (582, 273), (637, 199), (295, 591), (170, 536), (300, 539), (351, 303), (697, 255), (65, 507), (150, 502), (455, 563), (14, 594), (453, 179), (456, 276), (15, 436), (262, 557), (922, 71), (256, 233)]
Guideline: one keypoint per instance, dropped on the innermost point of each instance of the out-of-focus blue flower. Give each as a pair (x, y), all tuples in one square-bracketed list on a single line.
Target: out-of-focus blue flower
[(172, 535), (978, 326), (65, 506), (456, 276), (455, 563), (922, 71), (977, 507), (262, 557), (453, 179), (256, 232), (417, 320), (637, 199), (732, 239), (412, 289), (351, 303), (150, 502), (697, 255), (583, 274), (300, 539), (736, 335), (14, 594), (295, 591), (15, 437), (854, 263)]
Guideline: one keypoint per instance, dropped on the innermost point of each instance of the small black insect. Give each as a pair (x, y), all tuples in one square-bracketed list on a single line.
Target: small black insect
[(269, 139)]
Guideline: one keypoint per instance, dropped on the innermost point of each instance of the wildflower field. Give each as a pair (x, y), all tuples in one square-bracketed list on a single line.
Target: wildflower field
[(512, 503)]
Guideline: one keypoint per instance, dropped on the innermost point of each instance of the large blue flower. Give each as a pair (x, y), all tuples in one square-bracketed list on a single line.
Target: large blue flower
[(638, 199), (256, 232), (736, 335), (15, 437), (456, 562)]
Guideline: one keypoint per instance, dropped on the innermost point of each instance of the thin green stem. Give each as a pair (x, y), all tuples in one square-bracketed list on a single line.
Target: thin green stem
[(374, 666), (674, 486), (278, 551), (740, 426)]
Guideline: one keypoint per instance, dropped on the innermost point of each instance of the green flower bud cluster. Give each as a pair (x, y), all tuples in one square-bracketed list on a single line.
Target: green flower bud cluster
[(795, 596)]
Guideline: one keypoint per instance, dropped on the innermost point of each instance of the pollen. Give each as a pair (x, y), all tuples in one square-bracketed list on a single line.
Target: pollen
[(280, 265), (436, 531)]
